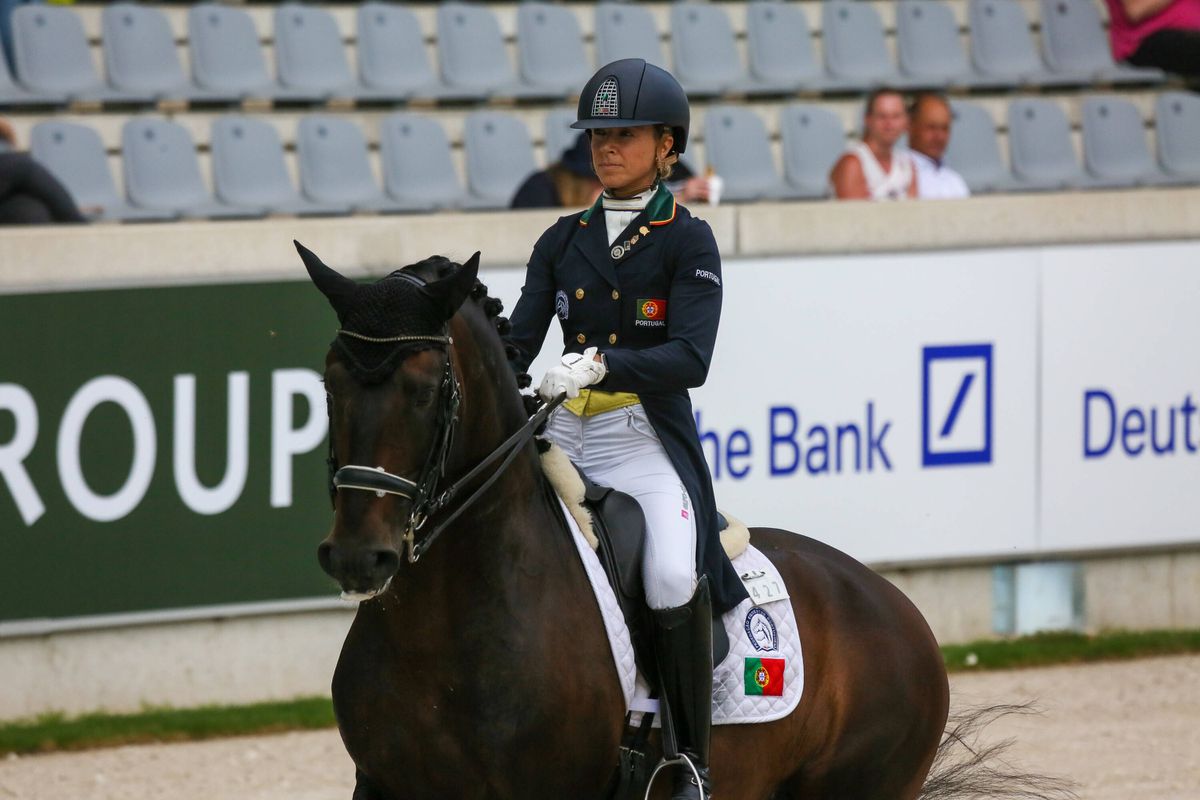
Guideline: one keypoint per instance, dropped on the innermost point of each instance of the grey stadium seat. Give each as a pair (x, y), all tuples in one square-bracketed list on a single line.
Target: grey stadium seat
[(249, 170), (626, 31), (309, 57), (140, 55), (930, 50), (392, 60), (76, 156), (559, 135), (856, 54), (1002, 46), (161, 171), (704, 52), (738, 148), (550, 48), (1040, 149), (813, 139), (1114, 144), (974, 151), (334, 167), (779, 47), (1073, 41), (1177, 121), (13, 94), (53, 56), (499, 157), (418, 170), (226, 55), (473, 56)]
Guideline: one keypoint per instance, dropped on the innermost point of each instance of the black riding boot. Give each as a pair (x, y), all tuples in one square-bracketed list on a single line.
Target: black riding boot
[(683, 649)]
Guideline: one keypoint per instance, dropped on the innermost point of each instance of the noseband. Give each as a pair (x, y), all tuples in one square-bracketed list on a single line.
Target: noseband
[(423, 491)]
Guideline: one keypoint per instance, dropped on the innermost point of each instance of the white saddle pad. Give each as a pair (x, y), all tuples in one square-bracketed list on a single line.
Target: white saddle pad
[(762, 677)]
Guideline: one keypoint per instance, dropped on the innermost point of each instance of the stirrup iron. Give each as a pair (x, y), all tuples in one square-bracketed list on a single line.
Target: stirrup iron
[(682, 760)]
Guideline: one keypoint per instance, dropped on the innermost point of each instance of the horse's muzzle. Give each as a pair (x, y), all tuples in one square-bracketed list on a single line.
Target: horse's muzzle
[(358, 569)]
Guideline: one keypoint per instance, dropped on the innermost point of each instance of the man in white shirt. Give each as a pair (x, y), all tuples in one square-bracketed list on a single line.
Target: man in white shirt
[(928, 135)]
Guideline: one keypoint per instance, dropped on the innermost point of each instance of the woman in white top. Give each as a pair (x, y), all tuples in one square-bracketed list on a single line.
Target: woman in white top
[(875, 168)]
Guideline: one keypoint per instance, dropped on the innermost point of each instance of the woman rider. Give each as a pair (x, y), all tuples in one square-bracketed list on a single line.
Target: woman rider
[(635, 281)]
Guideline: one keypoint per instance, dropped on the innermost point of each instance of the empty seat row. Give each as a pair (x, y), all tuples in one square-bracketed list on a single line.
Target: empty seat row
[(1041, 153), (250, 176), (53, 59), (781, 56), (54, 65)]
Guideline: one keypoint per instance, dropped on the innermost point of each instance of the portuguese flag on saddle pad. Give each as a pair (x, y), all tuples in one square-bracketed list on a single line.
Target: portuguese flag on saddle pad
[(764, 676)]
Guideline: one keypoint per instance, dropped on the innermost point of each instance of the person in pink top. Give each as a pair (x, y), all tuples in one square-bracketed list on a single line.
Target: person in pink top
[(1156, 33)]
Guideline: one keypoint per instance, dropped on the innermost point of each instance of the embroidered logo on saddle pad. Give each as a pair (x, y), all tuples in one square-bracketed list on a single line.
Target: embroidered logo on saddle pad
[(760, 630)]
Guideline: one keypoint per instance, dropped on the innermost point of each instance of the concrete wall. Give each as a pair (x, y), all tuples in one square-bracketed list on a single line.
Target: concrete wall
[(233, 660), (60, 258)]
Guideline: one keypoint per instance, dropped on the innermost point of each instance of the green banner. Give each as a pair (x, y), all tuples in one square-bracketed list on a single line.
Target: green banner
[(161, 448)]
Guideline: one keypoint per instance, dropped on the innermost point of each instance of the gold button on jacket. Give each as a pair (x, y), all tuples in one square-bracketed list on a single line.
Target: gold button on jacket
[(581, 338), (579, 294), (616, 295), (612, 338)]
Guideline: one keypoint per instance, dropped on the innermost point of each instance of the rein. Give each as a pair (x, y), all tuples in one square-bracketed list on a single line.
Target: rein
[(422, 492)]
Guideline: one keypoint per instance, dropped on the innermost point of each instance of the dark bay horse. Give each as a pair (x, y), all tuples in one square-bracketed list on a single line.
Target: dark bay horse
[(482, 670)]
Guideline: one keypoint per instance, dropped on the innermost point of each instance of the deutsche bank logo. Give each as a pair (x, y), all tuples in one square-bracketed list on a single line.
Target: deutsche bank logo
[(956, 405)]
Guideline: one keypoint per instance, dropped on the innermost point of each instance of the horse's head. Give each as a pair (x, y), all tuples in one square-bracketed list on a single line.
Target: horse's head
[(393, 395)]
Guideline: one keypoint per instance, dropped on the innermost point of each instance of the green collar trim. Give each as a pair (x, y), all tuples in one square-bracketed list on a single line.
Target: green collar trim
[(661, 208)]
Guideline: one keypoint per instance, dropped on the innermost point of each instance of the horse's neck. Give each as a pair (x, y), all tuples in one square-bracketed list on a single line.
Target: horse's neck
[(514, 528)]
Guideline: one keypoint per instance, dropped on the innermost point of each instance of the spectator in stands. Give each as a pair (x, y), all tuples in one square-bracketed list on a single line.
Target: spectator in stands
[(687, 186), (568, 183), (1157, 33), (928, 134), (29, 194), (875, 169)]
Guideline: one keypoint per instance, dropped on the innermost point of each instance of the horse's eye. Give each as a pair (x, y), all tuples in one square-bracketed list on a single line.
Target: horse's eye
[(425, 397)]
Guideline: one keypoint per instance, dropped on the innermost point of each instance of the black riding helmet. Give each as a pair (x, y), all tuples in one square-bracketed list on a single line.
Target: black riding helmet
[(631, 92)]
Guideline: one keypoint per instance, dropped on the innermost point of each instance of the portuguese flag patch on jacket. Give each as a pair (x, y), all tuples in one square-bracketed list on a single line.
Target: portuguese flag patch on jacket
[(651, 309), (764, 676)]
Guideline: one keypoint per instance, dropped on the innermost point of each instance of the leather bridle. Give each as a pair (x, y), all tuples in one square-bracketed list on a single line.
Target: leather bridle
[(422, 492)]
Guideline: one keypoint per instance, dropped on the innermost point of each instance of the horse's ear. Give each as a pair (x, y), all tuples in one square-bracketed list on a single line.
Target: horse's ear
[(336, 287), (450, 292)]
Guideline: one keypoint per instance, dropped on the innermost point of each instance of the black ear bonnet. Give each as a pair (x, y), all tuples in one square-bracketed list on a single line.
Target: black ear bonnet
[(372, 316)]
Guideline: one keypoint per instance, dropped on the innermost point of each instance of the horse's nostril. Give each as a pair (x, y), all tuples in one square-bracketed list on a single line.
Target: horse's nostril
[(386, 564)]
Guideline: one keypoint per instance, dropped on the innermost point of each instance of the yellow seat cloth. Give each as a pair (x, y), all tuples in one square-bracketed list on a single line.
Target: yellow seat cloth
[(593, 401)]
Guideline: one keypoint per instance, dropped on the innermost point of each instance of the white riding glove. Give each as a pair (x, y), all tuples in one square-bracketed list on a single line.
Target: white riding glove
[(577, 371)]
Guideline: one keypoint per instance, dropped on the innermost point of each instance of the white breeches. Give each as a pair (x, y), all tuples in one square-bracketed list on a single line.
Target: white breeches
[(620, 449)]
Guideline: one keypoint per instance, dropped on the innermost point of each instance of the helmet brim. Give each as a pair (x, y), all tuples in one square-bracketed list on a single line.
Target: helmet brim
[(593, 124)]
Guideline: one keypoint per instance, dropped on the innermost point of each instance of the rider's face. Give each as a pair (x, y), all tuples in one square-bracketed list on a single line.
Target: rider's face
[(626, 159)]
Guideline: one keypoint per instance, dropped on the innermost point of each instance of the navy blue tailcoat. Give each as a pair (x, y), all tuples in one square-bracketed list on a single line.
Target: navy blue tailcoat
[(651, 302)]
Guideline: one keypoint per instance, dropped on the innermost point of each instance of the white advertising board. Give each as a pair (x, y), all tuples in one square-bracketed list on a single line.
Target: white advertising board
[(1121, 388), (887, 404)]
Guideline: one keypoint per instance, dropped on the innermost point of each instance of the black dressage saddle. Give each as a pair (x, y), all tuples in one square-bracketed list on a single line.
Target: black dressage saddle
[(620, 527)]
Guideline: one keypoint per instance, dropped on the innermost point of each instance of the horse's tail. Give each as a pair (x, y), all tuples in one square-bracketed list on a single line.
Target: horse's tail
[(963, 767)]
